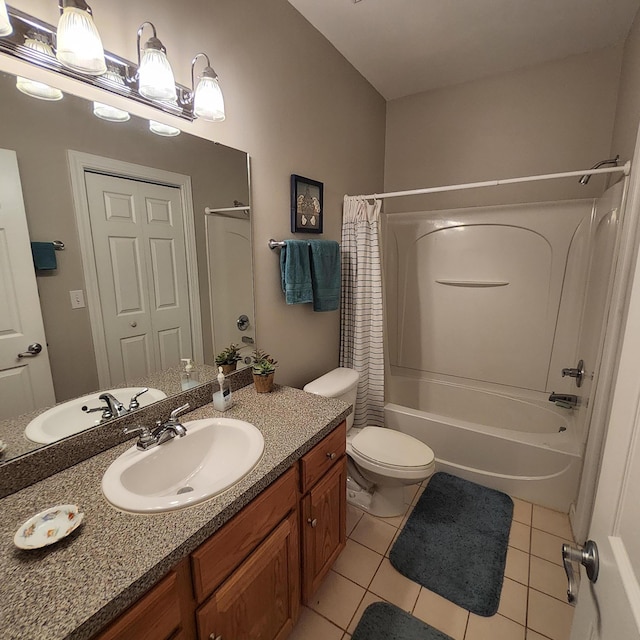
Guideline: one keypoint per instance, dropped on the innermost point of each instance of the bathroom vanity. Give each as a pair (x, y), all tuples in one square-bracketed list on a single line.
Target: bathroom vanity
[(236, 566)]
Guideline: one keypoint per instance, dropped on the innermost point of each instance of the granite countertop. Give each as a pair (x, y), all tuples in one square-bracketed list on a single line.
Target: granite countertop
[(73, 588)]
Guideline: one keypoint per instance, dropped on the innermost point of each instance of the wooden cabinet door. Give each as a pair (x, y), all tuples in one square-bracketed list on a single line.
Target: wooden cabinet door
[(261, 599), (165, 612), (324, 533)]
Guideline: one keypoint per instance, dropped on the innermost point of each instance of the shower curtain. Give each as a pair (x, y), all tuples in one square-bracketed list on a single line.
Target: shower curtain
[(361, 313)]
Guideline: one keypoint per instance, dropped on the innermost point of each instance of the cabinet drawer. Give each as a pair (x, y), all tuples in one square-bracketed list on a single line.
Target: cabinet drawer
[(322, 457), (156, 616), (216, 559)]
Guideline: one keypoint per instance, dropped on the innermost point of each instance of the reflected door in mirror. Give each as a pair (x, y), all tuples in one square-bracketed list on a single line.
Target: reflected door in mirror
[(139, 247), (25, 383)]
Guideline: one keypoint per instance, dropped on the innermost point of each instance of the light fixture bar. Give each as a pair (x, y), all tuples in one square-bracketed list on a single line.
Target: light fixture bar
[(13, 45)]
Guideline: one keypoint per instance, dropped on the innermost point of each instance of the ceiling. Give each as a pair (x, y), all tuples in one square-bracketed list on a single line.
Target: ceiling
[(404, 47)]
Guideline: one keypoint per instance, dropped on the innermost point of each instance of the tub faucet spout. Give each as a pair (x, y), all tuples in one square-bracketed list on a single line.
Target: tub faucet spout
[(565, 400)]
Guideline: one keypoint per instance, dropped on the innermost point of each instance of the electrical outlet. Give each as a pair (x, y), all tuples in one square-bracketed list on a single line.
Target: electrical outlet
[(77, 299)]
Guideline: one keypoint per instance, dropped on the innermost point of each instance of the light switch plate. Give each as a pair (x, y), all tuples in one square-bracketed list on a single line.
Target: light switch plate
[(77, 299)]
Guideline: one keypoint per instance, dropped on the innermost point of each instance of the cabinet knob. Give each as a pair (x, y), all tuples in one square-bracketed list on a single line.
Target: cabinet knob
[(313, 523), (331, 456), (213, 636)]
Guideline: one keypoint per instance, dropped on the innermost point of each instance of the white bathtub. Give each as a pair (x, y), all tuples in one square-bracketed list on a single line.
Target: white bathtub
[(519, 446)]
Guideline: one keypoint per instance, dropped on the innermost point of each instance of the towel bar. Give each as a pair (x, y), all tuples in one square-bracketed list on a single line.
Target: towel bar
[(276, 244)]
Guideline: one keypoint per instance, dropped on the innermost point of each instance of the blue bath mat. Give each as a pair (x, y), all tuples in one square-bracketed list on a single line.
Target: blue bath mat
[(384, 621), (455, 542)]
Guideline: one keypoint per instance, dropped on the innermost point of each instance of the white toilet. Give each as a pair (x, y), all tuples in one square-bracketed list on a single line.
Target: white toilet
[(380, 461)]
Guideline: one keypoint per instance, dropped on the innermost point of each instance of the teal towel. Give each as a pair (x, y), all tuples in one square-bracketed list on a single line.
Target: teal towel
[(325, 274), (295, 270), (44, 256)]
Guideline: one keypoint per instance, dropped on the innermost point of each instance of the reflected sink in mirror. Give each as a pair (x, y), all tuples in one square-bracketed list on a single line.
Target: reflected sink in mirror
[(215, 454), (68, 418)]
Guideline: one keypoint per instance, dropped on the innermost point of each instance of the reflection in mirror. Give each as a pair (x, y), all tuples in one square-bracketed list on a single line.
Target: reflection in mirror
[(146, 277)]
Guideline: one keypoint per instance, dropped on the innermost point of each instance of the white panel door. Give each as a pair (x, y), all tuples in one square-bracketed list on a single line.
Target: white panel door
[(138, 241), (610, 608), (25, 383)]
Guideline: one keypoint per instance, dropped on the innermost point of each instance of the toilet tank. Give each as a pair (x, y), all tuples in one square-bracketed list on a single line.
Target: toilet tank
[(341, 383)]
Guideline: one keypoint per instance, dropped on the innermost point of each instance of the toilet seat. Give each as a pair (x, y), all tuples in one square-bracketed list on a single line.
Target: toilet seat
[(391, 453)]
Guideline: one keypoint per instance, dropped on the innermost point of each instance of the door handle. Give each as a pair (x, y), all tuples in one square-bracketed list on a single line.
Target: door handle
[(587, 556), (32, 350)]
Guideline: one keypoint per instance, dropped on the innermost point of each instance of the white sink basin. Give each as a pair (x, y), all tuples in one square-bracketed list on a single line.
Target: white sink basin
[(214, 455), (68, 418)]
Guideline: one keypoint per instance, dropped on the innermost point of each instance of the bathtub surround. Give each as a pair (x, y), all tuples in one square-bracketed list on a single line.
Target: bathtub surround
[(361, 314), (384, 621), (455, 543)]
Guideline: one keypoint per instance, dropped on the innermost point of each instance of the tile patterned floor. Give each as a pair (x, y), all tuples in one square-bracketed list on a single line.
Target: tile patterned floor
[(532, 604)]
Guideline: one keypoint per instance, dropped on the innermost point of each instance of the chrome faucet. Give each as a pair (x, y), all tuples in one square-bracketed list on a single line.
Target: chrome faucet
[(565, 400), (113, 408), (163, 431), (116, 408)]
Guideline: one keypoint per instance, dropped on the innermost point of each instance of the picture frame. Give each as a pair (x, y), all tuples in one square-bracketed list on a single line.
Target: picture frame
[(307, 209)]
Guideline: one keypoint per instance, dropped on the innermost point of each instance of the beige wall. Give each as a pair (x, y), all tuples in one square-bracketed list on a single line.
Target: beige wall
[(628, 110), (295, 105), (551, 117)]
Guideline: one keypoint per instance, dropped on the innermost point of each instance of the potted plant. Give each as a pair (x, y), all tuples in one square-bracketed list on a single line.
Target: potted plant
[(264, 367), (228, 358)]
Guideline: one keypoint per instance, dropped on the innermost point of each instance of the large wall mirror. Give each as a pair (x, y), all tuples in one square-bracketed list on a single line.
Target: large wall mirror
[(156, 264)]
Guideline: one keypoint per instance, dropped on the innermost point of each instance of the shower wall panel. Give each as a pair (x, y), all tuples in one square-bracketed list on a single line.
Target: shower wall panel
[(476, 293)]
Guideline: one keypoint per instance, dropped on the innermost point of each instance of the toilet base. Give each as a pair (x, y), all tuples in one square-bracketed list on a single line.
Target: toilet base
[(384, 502)]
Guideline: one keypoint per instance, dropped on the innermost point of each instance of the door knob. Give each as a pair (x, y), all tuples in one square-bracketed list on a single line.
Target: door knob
[(577, 373), (587, 556), (32, 350)]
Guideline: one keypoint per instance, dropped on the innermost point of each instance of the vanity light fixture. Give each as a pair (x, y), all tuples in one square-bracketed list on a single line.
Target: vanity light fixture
[(208, 102), (78, 42), (155, 76), (38, 44), (150, 82), (5, 24), (105, 111)]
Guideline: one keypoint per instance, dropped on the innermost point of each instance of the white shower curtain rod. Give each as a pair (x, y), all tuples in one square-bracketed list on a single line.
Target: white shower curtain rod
[(626, 168)]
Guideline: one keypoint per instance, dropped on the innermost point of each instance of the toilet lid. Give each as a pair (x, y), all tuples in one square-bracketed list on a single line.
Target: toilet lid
[(392, 448)]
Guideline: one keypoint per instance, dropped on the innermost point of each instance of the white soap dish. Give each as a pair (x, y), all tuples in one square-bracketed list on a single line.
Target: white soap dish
[(47, 527)]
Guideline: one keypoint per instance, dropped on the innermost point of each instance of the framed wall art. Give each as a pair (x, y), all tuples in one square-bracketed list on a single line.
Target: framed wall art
[(306, 205)]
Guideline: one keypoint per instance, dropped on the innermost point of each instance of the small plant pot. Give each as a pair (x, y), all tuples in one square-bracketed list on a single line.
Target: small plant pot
[(263, 384), (228, 368)]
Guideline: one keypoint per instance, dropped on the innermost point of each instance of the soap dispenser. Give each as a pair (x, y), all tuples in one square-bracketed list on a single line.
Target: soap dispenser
[(188, 377), (222, 398)]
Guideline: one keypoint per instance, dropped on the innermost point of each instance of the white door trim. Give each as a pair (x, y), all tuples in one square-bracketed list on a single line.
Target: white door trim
[(80, 162)]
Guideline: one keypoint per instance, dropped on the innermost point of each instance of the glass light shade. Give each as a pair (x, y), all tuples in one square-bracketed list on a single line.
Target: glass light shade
[(79, 44), (31, 87), (163, 129), (155, 77), (208, 102), (107, 112), (38, 89), (5, 25)]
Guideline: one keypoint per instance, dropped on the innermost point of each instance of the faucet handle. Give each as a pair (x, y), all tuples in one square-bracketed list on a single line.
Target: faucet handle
[(146, 437), (133, 403), (173, 416)]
